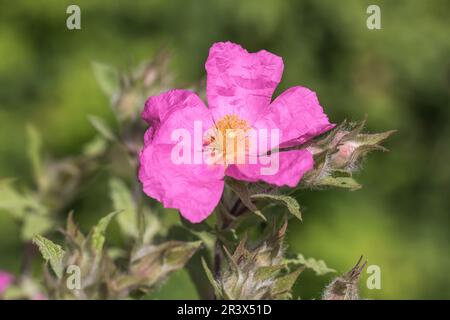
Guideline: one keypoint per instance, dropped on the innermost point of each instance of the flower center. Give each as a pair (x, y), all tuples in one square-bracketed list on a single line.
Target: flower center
[(229, 140)]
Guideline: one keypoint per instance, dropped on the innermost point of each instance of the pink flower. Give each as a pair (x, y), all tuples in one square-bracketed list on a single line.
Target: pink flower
[(6, 280), (239, 92)]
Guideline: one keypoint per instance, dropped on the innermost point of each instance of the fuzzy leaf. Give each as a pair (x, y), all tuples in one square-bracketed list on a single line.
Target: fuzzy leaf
[(177, 256), (209, 275), (266, 272), (290, 203), (51, 252), (340, 182), (18, 204), (35, 224), (73, 232), (284, 284), (98, 233), (318, 266), (95, 147), (102, 127), (241, 190), (107, 77), (123, 201), (373, 138), (153, 226), (11, 200), (153, 263)]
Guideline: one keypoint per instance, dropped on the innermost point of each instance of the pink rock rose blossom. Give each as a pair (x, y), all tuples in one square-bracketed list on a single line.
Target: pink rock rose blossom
[(239, 90)]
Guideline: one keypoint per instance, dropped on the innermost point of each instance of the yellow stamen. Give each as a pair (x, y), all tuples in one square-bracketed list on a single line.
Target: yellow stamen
[(230, 139)]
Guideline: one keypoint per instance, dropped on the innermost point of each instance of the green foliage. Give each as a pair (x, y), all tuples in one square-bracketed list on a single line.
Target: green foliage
[(255, 272), (107, 77), (35, 224), (318, 266), (217, 290), (52, 253), (289, 202), (26, 208), (16, 203), (151, 264), (98, 234), (102, 127), (241, 190), (123, 201), (339, 182)]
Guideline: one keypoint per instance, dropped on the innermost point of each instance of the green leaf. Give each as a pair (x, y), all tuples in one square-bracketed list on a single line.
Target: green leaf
[(179, 254), (51, 252), (123, 201), (107, 77), (340, 182), (318, 266), (95, 147), (241, 190), (73, 233), (98, 233), (373, 138), (35, 224), (151, 264), (102, 127), (153, 225), (14, 293), (209, 275), (267, 272), (285, 283), (18, 204), (11, 200), (290, 203)]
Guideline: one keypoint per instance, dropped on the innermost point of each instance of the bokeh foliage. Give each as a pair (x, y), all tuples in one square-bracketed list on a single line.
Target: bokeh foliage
[(398, 76)]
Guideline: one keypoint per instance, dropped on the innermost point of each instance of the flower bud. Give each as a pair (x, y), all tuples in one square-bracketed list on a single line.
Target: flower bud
[(339, 154), (254, 273), (345, 287)]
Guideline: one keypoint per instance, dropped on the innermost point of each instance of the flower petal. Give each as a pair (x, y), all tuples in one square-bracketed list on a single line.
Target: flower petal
[(297, 114), (239, 82), (158, 108), (292, 165), (194, 189)]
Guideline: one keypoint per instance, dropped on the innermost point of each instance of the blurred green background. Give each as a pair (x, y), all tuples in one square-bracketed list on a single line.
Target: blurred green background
[(399, 76)]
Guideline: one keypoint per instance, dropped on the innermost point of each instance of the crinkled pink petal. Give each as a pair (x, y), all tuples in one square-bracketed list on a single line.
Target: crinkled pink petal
[(239, 82), (298, 116), (6, 280), (158, 108), (293, 164), (194, 189), (194, 120)]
